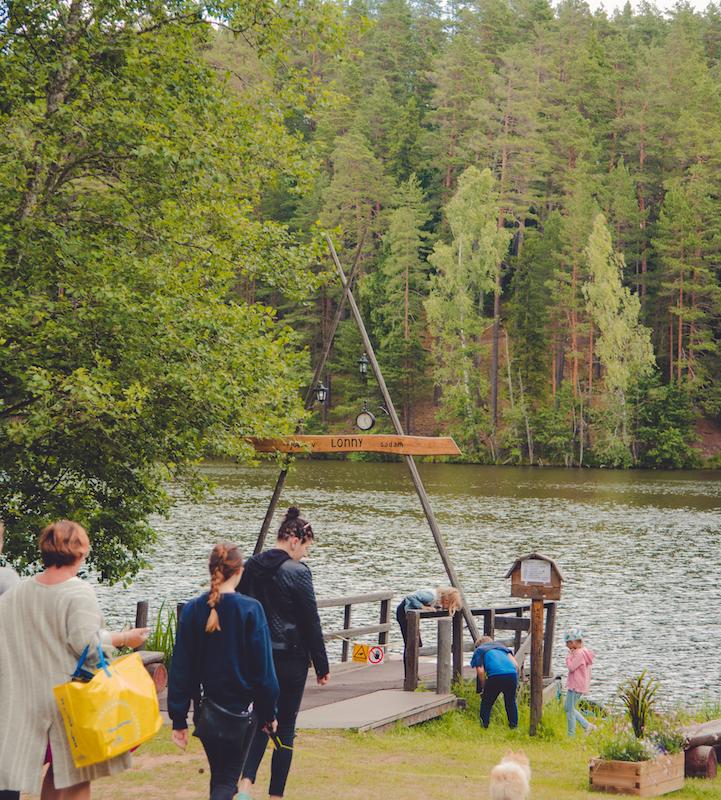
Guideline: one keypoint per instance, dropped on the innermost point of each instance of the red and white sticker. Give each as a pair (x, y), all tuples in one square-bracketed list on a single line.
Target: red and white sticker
[(376, 654)]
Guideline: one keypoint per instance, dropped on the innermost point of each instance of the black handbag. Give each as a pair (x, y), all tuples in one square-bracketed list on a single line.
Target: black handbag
[(212, 721)]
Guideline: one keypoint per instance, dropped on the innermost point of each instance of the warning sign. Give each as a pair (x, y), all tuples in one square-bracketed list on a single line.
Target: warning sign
[(360, 653), (376, 654)]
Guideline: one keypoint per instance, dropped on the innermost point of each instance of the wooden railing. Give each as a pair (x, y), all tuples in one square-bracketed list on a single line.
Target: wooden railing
[(509, 618), (347, 632)]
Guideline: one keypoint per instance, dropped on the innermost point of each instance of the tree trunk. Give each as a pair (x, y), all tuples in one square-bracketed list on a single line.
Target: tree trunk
[(680, 330), (55, 94)]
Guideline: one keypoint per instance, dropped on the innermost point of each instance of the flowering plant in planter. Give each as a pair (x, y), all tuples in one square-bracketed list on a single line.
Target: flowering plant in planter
[(642, 754)]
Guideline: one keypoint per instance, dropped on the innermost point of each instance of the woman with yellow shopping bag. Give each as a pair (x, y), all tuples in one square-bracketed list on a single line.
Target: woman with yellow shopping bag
[(223, 662), (46, 622)]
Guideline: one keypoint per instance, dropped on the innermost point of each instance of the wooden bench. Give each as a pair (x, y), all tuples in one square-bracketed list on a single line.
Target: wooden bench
[(703, 739)]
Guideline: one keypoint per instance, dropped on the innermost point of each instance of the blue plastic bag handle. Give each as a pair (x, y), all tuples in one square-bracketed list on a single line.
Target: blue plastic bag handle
[(101, 660)]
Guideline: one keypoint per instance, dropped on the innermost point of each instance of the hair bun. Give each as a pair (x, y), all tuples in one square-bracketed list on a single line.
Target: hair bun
[(292, 513)]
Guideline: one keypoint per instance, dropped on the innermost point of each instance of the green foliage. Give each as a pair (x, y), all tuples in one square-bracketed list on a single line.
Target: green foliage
[(626, 747), (638, 696), (162, 635), (130, 175), (664, 423)]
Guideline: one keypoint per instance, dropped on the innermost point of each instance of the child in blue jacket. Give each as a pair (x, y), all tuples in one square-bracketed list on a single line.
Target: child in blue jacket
[(497, 672)]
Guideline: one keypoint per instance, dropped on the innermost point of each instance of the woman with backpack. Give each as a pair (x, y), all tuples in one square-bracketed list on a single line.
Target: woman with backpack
[(284, 586)]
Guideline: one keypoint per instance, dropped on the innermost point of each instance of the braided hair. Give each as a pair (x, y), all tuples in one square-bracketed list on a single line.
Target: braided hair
[(293, 525), (225, 560)]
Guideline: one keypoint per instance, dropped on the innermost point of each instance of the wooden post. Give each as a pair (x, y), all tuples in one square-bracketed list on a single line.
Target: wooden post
[(548, 637), (412, 468), (457, 646), (309, 397), (489, 623), (413, 619), (141, 617), (346, 625), (517, 636), (385, 618), (536, 664), (443, 659), (179, 610)]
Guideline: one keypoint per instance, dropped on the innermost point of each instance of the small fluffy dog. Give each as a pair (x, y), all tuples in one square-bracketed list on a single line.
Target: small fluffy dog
[(511, 778)]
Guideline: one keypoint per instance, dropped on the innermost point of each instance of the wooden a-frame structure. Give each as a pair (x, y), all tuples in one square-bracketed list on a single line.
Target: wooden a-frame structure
[(348, 297)]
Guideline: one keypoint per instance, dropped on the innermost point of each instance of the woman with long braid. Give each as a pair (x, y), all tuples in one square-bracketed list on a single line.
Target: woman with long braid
[(284, 585), (223, 650)]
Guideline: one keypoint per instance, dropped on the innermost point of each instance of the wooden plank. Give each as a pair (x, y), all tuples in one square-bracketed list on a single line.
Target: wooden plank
[(354, 599), (349, 633), (359, 443), (512, 623), (378, 710)]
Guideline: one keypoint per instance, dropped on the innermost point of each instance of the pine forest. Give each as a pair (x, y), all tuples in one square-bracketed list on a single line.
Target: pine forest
[(533, 194)]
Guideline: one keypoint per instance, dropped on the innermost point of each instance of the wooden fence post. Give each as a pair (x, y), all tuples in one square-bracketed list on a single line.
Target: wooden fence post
[(413, 619), (141, 617), (517, 635), (489, 623), (443, 659), (536, 664), (178, 611), (346, 625), (548, 637), (385, 618), (457, 646)]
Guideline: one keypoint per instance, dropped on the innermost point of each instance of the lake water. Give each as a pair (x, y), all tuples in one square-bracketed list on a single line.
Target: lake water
[(639, 551)]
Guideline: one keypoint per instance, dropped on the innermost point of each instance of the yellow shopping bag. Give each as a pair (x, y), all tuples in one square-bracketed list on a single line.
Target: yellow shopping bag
[(113, 712)]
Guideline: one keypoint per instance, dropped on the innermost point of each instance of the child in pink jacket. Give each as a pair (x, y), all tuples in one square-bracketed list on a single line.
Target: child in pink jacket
[(578, 660)]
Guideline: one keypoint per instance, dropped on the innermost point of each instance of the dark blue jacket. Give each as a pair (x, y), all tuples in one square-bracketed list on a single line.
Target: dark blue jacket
[(234, 665)]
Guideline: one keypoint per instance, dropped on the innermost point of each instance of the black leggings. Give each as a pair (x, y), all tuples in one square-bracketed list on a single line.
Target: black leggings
[(6, 794), (403, 624), (292, 674), (226, 761)]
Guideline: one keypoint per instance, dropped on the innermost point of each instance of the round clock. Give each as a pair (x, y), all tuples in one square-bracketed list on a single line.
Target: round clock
[(365, 420)]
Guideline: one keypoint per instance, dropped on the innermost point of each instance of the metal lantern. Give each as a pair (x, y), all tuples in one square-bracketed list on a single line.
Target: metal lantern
[(363, 365), (321, 393)]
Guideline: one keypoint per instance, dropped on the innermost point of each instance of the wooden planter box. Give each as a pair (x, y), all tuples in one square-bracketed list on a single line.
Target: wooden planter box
[(641, 778)]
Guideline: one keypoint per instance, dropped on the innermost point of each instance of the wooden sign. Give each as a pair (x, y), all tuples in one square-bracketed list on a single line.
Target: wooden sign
[(360, 443)]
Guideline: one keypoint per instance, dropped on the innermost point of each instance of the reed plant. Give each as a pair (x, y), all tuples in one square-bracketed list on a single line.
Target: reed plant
[(638, 696), (162, 635)]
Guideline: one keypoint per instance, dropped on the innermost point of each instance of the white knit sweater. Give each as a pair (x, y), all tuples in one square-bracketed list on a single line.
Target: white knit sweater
[(43, 631)]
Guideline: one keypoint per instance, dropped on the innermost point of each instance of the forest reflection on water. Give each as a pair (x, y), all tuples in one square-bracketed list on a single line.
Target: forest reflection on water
[(639, 551)]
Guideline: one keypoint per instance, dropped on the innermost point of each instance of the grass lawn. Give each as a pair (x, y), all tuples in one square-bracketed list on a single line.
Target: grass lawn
[(445, 759)]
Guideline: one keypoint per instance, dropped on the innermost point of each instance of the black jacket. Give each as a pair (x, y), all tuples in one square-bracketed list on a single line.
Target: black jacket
[(284, 588)]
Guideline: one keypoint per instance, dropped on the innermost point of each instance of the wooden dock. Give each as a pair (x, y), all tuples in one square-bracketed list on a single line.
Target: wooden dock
[(363, 697)]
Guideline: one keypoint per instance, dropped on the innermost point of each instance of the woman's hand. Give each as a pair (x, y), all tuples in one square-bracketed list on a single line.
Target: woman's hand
[(321, 680), (270, 726), (181, 738), (135, 637)]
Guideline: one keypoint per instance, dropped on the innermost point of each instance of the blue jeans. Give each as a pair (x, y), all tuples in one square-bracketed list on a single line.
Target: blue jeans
[(573, 715)]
